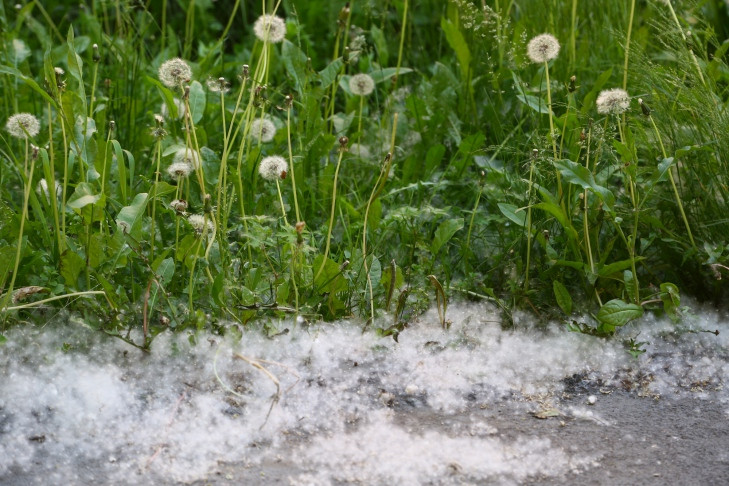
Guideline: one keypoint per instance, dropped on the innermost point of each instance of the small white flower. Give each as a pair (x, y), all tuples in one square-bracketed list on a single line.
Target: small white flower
[(273, 167), (361, 84), (613, 101), (23, 125), (198, 223), (543, 48), (188, 156), (179, 170), (269, 28), (181, 109), (262, 129), (174, 72)]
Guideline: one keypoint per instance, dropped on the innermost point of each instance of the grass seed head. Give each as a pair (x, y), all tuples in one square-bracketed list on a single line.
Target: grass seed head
[(23, 125), (543, 48), (270, 29)]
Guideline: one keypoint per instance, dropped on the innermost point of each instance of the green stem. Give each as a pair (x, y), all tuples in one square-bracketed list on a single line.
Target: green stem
[(331, 217), (627, 44)]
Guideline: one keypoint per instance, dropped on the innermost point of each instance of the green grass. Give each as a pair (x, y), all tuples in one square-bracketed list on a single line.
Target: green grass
[(455, 187)]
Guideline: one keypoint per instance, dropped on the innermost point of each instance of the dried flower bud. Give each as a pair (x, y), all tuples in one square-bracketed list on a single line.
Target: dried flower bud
[(96, 56), (343, 141), (572, 88), (644, 108)]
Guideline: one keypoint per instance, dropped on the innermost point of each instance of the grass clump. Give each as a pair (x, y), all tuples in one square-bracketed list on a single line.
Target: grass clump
[(444, 147)]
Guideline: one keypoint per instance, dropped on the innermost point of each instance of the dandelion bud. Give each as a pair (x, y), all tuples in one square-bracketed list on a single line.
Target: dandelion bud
[(246, 71), (96, 56), (112, 125), (644, 108), (288, 101), (345, 55), (535, 153), (159, 119), (208, 204), (299, 230), (344, 265), (34, 152), (186, 96), (572, 88), (300, 226), (343, 16), (343, 141)]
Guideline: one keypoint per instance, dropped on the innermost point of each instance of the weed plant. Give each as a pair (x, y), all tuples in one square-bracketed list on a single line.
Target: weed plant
[(433, 148)]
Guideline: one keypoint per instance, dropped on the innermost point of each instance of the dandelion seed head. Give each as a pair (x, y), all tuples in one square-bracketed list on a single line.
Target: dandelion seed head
[(179, 170), (23, 125), (262, 129), (181, 109), (42, 188), (613, 101), (361, 84), (219, 85), (174, 72), (179, 205), (187, 156), (198, 223), (270, 28), (273, 167), (543, 48)]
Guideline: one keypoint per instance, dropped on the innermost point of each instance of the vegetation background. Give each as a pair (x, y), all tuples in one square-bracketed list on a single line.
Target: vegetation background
[(469, 170)]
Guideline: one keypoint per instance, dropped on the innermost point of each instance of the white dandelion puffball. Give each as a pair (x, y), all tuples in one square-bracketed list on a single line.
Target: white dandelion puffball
[(43, 188), (543, 48), (179, 170), (361, 84), (181, 109), (273, 167), (613, 101), (179, 205), (174, 72), (262, 129), (269, 28), (198, 223), (219, 85), (188, 156), (23, 125)]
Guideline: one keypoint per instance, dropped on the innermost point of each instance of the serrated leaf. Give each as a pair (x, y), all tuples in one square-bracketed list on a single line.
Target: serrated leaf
[(564, 300), (329, 73)]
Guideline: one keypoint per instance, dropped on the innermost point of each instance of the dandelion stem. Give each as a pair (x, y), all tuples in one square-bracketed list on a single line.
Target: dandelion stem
[(627, 44), (331, 217), (291, 163)]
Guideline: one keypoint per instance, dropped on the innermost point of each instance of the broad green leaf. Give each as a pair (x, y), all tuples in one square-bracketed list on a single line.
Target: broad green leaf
[(197, 101), (329, 73), (71, 266), (575, 173), (614, 267), (129, 218), (564, 300), (295, 61), (458, 44), (330, 279), (444, 233), (378, 38), (380, 75), (617, 313), (534, 102), (515, 214), (29, 81), (83, 196)]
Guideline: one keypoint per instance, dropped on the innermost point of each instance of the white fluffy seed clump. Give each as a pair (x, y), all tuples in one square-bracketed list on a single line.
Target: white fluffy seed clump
[(23, 125), (543, 48), (273, 167), (262, 129), (270, 28), (43, 188), (361, 84), (188, 156), (165, 111), (179, 205), (179, 170), (613, 101), (174, 72), (198, 223)]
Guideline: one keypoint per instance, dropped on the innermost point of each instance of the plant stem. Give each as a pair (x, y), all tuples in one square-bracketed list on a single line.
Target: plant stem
[(627, 44), (331, 217), (673, 183), (291, 163)]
